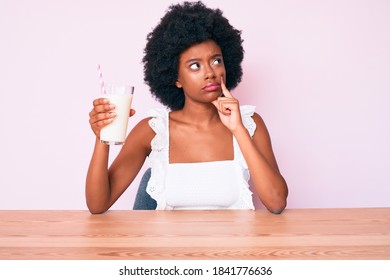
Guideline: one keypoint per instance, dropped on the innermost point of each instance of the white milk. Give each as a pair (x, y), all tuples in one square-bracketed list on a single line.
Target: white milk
[(121, 97)]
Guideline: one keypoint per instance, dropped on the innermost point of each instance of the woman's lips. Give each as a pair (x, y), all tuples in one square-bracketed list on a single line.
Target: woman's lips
[(212, 87)]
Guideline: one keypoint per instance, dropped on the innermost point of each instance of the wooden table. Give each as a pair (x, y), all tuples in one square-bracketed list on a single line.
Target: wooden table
[(295, 234)]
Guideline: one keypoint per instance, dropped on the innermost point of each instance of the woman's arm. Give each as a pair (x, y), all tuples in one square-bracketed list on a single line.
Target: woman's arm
[(105, 185), (257, 151)]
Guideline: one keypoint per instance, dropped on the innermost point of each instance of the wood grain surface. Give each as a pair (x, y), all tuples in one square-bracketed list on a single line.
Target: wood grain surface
[(361, 233)]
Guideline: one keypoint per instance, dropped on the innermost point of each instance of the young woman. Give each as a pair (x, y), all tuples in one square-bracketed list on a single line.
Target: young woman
[(203, 150)]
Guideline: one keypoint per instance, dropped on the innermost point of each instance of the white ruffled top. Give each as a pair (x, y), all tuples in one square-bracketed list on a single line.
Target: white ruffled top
[(197, 178)]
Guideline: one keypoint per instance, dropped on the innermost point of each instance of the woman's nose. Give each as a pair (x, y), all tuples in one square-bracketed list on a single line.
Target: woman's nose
[(209, 73)]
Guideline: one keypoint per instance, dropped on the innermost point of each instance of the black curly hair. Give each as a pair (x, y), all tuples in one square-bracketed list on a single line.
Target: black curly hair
[(182, 26)]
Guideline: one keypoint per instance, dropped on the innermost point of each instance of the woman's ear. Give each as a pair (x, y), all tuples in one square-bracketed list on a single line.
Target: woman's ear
[(178, 84)]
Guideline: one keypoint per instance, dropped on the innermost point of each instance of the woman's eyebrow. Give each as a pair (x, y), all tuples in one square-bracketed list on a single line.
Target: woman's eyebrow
[(191, 60)]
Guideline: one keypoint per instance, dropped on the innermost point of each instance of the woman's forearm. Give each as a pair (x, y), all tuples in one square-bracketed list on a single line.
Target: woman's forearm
[(97, 189), (269, 183)]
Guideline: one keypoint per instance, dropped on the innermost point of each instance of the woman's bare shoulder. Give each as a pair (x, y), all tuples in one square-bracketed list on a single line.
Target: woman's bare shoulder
[(143, 128), (261, 132), (141, 135), (260, 124)]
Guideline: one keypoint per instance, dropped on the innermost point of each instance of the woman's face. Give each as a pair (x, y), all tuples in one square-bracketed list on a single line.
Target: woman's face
[(201, 68)]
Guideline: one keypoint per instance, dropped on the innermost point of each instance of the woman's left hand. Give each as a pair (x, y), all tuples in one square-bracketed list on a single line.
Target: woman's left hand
[(228, 109)]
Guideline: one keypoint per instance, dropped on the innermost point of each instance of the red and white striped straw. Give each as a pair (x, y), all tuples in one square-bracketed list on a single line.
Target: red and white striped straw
[(102, 87)]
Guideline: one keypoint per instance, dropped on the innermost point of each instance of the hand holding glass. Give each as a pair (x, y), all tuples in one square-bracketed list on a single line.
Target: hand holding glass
[(121, 96)]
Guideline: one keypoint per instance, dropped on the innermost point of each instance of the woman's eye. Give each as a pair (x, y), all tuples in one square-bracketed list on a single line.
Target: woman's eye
[(217, 61), (195, 66)]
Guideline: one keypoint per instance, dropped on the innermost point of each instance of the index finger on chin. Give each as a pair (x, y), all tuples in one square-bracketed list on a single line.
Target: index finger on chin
[(225, 90)]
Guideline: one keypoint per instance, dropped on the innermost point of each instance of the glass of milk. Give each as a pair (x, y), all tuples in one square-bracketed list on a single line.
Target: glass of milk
[(121, 96)]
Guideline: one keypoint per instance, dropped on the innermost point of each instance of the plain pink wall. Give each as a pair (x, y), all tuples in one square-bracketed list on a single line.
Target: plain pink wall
[(318, 72)]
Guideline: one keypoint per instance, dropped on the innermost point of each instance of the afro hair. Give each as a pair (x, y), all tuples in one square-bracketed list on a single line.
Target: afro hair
[(183, 26)]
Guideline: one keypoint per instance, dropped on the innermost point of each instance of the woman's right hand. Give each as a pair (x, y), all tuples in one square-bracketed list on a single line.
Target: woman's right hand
[(101, 115)]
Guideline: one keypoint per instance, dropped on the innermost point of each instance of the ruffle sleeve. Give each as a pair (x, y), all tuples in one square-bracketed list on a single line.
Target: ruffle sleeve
[(158, 158)]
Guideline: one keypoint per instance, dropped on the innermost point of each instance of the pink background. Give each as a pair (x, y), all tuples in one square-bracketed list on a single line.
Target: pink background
[(318, 72)]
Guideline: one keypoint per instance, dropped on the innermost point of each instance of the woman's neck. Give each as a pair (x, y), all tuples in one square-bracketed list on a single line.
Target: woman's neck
[(197, 115)]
